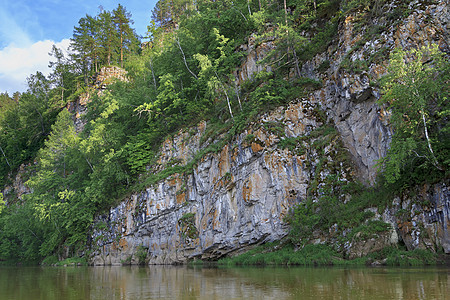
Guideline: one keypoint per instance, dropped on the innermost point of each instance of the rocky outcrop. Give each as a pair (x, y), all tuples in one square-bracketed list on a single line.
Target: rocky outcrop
[(357, 59), (255, 54), (231, 200), (419, 220), (100, 82), (17, 189), (109, 75), (422, 218), (237, 194)]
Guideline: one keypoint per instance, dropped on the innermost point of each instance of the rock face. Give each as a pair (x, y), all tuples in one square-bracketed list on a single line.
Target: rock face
[(17, 189), (108, 75), (237, 195), (356, 60), (232, 199), (422, 220), (250, 66), (100, 81), (419, 220)]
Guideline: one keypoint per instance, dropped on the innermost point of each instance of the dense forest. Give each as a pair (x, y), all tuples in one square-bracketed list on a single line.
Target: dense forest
[(179, 74)]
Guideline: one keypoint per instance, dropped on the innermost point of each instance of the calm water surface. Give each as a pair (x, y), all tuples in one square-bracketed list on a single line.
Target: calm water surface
[(229, 283)]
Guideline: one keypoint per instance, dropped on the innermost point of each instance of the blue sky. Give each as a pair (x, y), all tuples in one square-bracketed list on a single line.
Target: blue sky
[(29, 28)]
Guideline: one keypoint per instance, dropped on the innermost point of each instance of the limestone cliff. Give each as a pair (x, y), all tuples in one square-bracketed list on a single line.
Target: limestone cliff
[(237, 196), (230, 200)]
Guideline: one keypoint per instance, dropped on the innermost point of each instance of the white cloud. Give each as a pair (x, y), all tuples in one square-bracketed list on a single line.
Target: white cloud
[(17, 20), (17, 63)]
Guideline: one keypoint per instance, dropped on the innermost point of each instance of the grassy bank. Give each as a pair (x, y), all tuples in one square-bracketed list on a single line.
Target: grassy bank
[(323, 255), (71, 261)]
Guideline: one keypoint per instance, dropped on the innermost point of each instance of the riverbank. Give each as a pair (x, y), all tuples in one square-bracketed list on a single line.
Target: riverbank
[(324, 255)]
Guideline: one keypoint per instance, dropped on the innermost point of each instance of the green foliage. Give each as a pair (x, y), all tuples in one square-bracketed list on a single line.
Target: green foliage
[(369, 230), (249, 138), (20, 234), (274, 92), (325, 255), (323, 66), (102, 40), (274, 254), (127, 261), (302, 222), (2, 203), (294, 144), (138, 153), (331, 210), (141, 254), (25, 124), (72, 261), (187, 226), (276, 128), (320, 41), (50, 260), (400, 257), (55, 213), (416, 92)]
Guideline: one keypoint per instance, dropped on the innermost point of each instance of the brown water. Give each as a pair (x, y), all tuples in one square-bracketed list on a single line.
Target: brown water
[(229, 283)]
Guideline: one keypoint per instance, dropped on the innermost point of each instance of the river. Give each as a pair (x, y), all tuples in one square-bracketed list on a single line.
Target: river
[(171, 282)]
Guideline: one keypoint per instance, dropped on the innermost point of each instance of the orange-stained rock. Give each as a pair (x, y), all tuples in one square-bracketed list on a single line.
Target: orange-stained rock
[(224, 161), (256, 147), (181, 198), (247, 191), (123, 244)]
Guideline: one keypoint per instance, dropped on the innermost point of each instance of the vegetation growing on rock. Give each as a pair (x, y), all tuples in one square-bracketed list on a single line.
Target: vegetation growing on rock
[(188, 71)]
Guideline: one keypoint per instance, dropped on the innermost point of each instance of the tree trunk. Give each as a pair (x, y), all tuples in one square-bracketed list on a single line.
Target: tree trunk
[(109, 50), (153, 73), (285, 12), (435, 162), (184, 58), (226, 95), (121, 49), (62, 88), (7, 162)]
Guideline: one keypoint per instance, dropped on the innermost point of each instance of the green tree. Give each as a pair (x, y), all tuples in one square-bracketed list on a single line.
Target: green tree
[(127, 36), (2, 203), (5, 102), (81, 45), (93, 42), (25, 124), (62, 78), (20, 234), (108, 36), (51, 181), (416, 91), (54, 157)]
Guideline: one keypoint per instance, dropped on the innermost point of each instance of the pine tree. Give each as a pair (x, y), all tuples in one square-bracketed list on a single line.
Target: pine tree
[(122, 21), (108, 36), (62, 78), (80, 46)]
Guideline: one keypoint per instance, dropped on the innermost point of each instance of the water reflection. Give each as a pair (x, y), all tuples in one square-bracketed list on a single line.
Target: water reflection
[(168, 282)]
